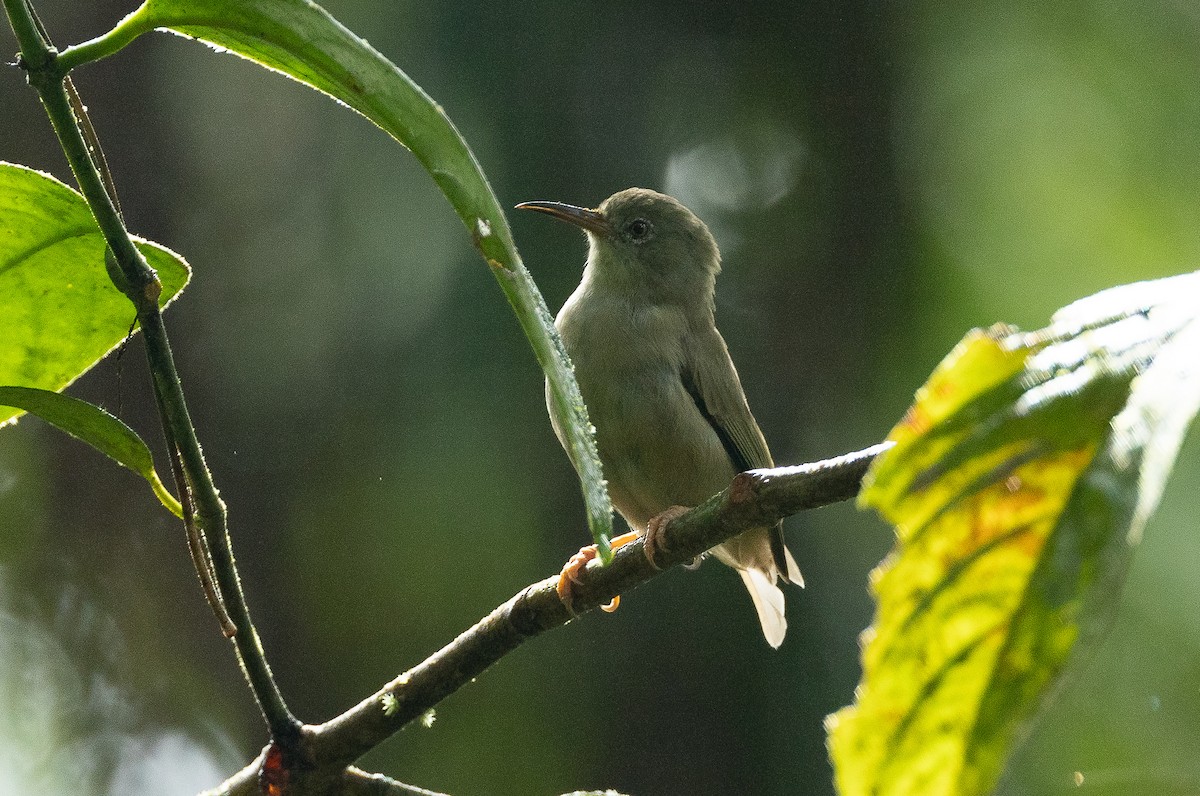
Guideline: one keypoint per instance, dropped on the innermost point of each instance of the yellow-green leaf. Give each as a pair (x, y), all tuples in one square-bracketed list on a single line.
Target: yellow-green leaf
[(1020, 481)]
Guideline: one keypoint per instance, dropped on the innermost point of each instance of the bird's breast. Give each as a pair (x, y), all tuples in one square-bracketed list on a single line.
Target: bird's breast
[(656, 447)]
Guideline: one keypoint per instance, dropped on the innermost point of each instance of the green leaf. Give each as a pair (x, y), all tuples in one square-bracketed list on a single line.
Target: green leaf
[(1020, 482), (60, 312), (97, 428), (301, 40)]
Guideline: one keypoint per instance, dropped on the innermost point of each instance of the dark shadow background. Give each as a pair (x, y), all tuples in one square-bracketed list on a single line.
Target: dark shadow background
[(881, 177)]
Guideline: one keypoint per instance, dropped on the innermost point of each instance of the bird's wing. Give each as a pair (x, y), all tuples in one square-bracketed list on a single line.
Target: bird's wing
[(711, 379)]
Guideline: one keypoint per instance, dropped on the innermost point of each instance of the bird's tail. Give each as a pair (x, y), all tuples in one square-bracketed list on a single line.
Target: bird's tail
[(792, 575), (768, 602)]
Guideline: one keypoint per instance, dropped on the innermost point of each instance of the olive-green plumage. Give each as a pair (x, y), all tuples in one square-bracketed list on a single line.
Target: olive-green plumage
[(672, 423)]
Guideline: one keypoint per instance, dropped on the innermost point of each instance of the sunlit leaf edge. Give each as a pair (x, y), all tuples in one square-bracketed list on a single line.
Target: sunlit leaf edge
[(97, 428)]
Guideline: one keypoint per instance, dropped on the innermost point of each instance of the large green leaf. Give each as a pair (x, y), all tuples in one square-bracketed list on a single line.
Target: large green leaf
[(97, 428), (59, 312), (1020, 482), (301, 40)]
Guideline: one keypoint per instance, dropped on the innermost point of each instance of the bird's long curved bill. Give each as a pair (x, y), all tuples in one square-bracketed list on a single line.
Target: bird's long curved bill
[(591, 220)]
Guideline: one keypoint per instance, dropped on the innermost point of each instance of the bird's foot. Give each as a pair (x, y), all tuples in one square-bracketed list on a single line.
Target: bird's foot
[(654, 528), (570, 572)]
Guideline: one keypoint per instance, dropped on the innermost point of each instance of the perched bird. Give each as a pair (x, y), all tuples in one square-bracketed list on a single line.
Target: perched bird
[(672, 423)]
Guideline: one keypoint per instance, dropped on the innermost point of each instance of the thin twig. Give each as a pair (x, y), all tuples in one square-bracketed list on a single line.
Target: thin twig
[(99, 161), (197, 543)]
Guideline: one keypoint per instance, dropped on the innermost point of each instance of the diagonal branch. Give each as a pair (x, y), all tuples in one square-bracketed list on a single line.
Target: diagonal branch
[(755, 498)]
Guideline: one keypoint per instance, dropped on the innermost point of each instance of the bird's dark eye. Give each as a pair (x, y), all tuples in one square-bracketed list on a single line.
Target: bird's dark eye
[(638, 229)]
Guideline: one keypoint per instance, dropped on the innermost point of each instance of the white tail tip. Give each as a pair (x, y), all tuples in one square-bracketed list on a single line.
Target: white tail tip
[(768, 602)]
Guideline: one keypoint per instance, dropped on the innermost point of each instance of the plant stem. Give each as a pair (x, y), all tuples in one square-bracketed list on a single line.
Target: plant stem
[(107, 44), (34, 52), (138, 281)]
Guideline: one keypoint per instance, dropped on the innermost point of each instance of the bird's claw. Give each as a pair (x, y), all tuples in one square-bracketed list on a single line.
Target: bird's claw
[(654, 542), (570, 575), (575, 564)]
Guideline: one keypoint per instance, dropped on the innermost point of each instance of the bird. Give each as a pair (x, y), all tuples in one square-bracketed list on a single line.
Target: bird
[(671, 419)]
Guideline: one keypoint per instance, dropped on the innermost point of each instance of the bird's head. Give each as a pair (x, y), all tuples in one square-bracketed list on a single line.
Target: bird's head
[(646, 245)]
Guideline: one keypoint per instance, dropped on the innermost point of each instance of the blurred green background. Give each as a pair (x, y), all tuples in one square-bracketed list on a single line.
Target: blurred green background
[(881, 177)]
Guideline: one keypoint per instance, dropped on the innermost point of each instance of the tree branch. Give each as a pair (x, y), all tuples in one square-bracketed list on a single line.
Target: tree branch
[(351, 781), (754, 499)]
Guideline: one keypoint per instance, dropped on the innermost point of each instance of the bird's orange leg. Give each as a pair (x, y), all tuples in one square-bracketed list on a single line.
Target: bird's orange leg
[(570, 572), (654, 528)]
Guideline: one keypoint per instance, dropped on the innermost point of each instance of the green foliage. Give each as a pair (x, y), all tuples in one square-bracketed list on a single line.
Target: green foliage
[(96, 427), (1021, 480), (1022, 476), (302, 41), (61, 313)]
